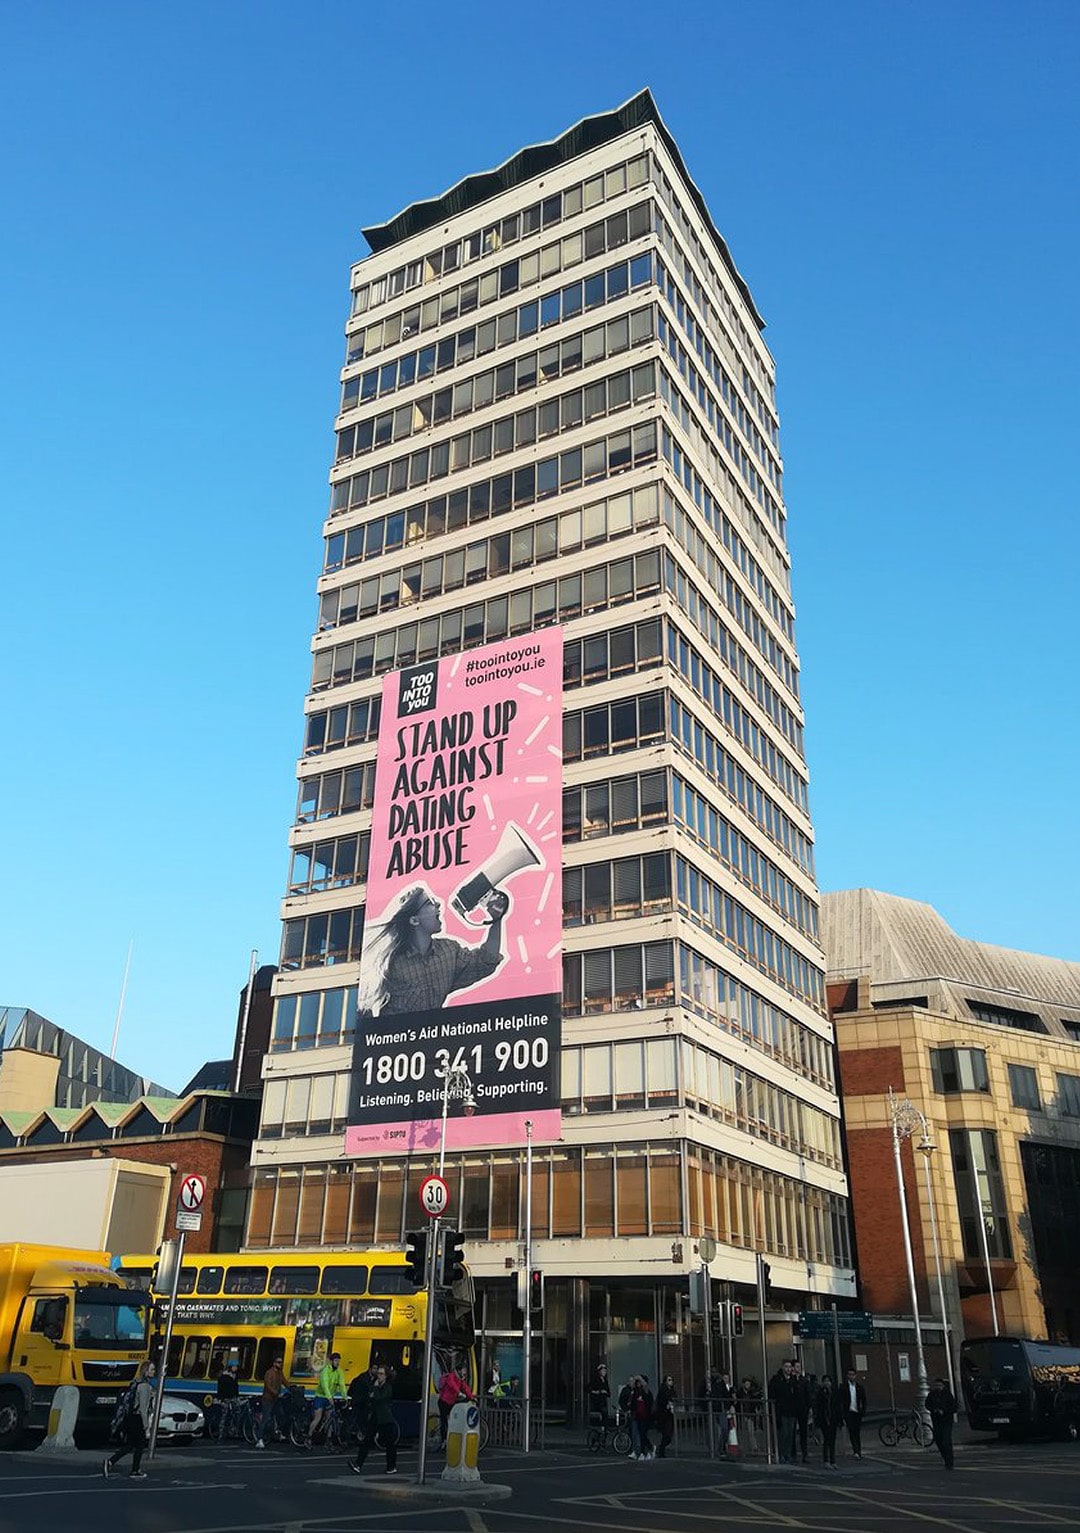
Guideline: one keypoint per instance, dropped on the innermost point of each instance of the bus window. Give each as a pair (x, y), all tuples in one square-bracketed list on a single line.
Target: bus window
[(210, 1279), (187, 1280), (351, 1280), (176, 1348), (245, 1280), (270, 1347), (236, 1350), (196, 1357), (391, 1280), (294, 1280)]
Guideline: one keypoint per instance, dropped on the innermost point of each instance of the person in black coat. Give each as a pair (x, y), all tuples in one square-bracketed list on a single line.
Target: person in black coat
[(664, 1415), (599, 1394), (829, 1416), (803, 1402), (853, 1400), (783, 1396), (941, 1403)]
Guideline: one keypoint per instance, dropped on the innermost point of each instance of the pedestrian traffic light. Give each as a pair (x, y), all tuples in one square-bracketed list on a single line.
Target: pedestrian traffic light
[(416, 1256), (736, 1320), (536, 1289), (453, 1259)]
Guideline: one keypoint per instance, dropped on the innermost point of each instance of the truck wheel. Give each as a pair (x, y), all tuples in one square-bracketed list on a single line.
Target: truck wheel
[(12, 1417)]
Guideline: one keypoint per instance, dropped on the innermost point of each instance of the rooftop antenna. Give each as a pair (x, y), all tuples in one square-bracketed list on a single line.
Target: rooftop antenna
[(120, 1008)]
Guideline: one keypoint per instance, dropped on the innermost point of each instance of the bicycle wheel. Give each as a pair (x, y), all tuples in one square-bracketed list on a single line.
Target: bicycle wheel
[(890, 1433), (248, 1429), (213, 1423), (620, 1442), (923, 1432), (594, 1440), (484, 1431), (298, 1429)]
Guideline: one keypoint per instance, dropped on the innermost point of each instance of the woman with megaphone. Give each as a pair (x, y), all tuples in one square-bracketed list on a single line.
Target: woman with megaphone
[(409, 967)]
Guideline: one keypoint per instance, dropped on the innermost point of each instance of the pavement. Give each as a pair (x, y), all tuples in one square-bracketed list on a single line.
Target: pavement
[(230, 1488)]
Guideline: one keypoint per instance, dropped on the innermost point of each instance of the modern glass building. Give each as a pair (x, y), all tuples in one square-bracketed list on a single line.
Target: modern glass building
[(557, 407)]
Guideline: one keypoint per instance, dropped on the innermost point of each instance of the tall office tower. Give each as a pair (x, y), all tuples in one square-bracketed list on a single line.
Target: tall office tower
[(557, 408)]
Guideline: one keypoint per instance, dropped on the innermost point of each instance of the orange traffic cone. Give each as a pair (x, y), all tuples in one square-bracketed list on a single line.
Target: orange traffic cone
[(733, 1449)]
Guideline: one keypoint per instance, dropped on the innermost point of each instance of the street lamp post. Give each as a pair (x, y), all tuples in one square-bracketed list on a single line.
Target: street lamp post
[(905, 1119), (457, 1084), (926, 1148)]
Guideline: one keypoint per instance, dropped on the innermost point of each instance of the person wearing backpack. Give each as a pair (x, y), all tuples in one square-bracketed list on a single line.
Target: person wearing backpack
[(136, 1424)]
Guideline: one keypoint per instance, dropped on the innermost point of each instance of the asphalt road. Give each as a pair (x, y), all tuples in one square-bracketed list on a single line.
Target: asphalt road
[(234, 1489)]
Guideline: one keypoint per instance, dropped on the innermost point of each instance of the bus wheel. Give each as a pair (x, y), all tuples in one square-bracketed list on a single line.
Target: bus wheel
[(12, 1417)]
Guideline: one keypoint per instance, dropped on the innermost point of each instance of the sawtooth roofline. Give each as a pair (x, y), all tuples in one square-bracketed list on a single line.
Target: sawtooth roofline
[(532, 161)]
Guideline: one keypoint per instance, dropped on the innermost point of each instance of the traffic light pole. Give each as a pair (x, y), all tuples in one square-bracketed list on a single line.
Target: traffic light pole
[(765, 1408), (526, 1324), (431, 1274), (163, 1360)]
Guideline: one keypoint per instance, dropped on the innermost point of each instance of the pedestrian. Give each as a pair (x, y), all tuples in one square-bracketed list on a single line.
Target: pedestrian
[(723, 1399), (452, 1388), (378, 1419), (748, 1406), (664, 1415), (941, 1403), (854, 1402), (272, 1391), (803, 1401), (495, 1383), (828, 1415), (136, 1425), (641, 1415), (783, 1396), (599, 1394)]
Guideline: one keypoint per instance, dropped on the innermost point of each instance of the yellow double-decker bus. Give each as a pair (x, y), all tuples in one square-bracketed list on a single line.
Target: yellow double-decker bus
[(243, 1311)]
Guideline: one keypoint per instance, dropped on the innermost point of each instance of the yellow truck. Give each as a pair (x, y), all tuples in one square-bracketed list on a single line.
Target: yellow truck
[(65, 1318)]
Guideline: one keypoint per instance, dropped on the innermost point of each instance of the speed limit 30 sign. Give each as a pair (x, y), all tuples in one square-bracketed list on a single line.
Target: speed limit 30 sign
[(434, 1196)]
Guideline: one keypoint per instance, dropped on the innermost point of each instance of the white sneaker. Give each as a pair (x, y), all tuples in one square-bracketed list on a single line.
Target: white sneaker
[(259, 1443)]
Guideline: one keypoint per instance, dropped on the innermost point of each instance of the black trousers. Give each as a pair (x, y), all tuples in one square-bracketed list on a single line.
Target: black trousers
[(801, 1424), (828, 1445), (135, 1440), (943, 1426), (370, 1439), (854, 1430)]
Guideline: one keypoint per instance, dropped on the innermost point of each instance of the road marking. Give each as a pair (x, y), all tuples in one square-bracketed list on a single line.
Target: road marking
[(475, 1521), (909, 1511)]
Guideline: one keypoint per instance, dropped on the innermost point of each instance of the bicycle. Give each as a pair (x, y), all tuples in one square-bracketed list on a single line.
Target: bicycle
[(336, 1429), (231, 1421), (912, 1425), (609, 1436)]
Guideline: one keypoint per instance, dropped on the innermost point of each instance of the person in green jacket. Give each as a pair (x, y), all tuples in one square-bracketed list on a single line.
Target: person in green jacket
[(378, 1418), (331, 1386)]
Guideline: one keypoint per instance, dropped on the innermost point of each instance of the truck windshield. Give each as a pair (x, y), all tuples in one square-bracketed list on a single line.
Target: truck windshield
[(101, 1324)]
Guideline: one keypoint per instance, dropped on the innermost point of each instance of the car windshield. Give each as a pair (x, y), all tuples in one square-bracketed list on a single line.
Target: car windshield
[(99, 1324)]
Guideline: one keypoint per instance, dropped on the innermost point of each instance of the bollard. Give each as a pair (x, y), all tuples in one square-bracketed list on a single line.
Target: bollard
[(463, 1444), (63, 1414), (733, 1449)]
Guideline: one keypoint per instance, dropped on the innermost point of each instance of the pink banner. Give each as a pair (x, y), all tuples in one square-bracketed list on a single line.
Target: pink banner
[(461, 967)]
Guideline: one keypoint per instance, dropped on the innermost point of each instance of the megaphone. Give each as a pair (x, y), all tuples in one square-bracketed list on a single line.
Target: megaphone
[(514, 853)]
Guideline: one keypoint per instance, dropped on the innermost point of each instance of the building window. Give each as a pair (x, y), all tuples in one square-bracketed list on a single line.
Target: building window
[(956, 1070), (980, 1193), (1069, 1095), (1005, 1016), (1024, 1087)]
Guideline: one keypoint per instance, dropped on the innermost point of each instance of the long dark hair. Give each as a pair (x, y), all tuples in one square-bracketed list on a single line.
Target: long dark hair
[(391, 938)]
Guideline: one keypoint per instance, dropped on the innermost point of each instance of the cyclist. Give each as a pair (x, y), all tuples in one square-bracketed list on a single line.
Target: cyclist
[(599, 1394), (227, 1386), (331, 1386)]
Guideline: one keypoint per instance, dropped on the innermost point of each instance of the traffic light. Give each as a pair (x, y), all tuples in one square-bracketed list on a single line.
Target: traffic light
[(736, 1320), (536, 1289), (453, 1259), (416, 1256), (766, 1280)]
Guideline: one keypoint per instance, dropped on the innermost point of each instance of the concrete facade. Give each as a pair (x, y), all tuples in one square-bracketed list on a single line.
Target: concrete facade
[(926, 1013)]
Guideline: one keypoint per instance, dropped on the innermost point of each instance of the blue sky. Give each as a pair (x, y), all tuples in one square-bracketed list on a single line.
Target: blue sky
[(183, 191)]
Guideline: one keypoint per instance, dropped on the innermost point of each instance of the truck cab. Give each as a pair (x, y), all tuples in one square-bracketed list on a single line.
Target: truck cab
[(65, 1318)]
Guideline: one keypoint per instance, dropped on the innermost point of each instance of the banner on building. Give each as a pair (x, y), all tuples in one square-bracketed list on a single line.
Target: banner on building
[(461, 965)]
